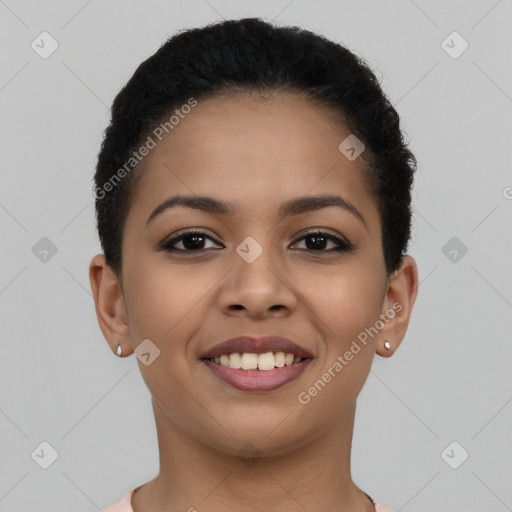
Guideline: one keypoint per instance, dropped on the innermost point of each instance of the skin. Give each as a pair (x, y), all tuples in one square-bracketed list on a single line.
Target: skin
[(256, 153)]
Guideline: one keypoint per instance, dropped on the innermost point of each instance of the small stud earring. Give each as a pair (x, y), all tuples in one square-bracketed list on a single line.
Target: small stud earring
[(119, 350), (387, 345)]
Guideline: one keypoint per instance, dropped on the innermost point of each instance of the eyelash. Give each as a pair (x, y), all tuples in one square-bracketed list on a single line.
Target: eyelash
[(343, 246)]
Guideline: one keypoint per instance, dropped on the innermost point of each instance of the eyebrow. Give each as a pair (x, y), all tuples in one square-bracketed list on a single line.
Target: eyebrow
[(291, 207)]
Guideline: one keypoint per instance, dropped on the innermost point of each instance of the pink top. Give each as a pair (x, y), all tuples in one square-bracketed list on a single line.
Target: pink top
[(125, 504)]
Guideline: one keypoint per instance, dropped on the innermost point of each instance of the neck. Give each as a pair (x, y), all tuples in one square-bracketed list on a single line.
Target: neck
[(315, 477)]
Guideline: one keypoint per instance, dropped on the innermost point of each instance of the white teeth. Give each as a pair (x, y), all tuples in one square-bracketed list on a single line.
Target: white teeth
[(279, 359), (266, 361), (234, 361), (250, 361)]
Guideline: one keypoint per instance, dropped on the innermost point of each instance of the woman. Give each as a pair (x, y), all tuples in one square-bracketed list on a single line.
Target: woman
[(253, 198)]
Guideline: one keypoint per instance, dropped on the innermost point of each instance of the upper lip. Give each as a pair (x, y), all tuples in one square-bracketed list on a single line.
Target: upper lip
[(262, 345)]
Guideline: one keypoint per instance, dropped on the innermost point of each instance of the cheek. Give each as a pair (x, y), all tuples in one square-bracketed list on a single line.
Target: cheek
[(162, 306), (162, 299), (347, 302)]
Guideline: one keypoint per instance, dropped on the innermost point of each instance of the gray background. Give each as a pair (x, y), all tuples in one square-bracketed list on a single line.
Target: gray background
[(449, 381)]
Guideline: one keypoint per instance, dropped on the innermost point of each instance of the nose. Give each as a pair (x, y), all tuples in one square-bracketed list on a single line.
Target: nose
[(258, 289)]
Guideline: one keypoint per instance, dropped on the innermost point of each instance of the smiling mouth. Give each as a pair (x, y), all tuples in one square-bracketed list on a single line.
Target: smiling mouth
[(257, 372), (256, 362)]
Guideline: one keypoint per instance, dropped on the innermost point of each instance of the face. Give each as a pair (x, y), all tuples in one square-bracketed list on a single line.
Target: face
[(253, 271)]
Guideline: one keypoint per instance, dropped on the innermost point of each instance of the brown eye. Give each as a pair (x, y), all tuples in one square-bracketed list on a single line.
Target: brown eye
[(191, 241), (316, 241)]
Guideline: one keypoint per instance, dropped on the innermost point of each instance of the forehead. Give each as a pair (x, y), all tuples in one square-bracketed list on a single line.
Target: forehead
[(256, 152)]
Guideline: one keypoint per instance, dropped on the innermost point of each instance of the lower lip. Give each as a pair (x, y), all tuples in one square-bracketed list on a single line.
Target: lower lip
[(257, 380)]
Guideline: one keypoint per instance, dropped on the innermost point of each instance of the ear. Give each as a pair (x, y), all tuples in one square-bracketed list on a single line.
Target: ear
[(109, 303), (397, 306)]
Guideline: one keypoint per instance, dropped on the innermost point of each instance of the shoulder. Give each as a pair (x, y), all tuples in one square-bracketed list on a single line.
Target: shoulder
[(123, 505), (377, 505), (380, 508)]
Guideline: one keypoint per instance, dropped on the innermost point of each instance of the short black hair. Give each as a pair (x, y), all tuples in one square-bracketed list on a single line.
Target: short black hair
[(252, 55)]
